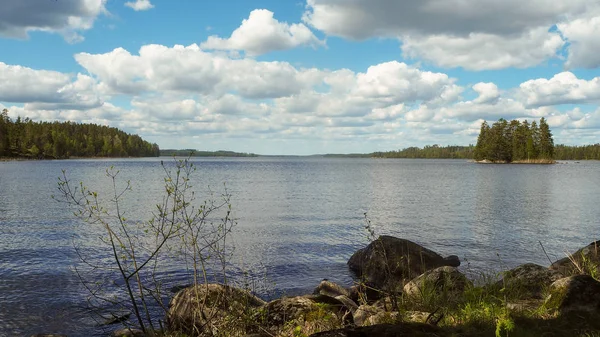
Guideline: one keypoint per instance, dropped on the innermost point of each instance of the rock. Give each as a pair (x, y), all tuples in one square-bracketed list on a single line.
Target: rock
[(292, 315), (528, 280), (443, 280), (210, 308), (128, 332), (383, 317), (47, 335), (417, 316), (363, 312), (330, 289), (116, 318), (585, 259), (579, 293), (385, 330), (364, 293), (387, 261)]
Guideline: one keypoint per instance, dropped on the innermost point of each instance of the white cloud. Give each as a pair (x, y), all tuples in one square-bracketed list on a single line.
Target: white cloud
[(473, 34), (68, 18), (140, 5), (488, 93), (261, 33), (583, 34), (481, 51), (191, 70), (563, 88), (44, 89)]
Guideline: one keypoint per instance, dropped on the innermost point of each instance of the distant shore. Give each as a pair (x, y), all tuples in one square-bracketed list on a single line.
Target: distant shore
[(527, 161)]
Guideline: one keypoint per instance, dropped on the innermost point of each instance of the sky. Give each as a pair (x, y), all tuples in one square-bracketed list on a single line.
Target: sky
[(304, 77)]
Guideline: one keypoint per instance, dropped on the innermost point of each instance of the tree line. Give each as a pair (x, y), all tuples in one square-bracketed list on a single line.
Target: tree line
[(514, 141), (430, 152), (24, 138)]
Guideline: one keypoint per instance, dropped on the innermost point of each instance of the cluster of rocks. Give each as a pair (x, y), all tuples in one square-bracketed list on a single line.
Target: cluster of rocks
[(388, 266)]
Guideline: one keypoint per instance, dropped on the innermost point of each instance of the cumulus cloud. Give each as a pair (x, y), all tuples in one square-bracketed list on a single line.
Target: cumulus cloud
[(140, 5), (68, 18), (473, 34), (188, 92), (189, 69), (481, 51), (583, 34), (262, 33), (562, 88), (44, 89), (488, 93)]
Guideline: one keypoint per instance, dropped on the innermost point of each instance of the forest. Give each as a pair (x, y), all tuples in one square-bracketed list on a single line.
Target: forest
[(430, 152), (24, 138), (197, 153), (515, 142)]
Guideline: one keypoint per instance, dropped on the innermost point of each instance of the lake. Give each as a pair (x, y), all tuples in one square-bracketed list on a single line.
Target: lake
[(298, 221)]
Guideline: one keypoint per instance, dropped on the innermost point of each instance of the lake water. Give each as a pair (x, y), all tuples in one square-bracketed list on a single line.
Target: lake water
[(298, 221)]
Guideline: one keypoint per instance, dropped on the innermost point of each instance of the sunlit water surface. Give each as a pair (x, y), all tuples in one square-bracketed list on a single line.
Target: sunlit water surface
[(298, 221)]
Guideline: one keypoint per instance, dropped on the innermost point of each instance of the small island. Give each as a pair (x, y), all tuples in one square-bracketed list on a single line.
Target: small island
[(515, 142)]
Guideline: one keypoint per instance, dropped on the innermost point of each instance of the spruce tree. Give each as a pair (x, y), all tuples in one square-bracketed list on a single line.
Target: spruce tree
[(546, 143), (481, 149)]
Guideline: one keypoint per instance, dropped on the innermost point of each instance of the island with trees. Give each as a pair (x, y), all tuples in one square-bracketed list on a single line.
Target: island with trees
[(24, 138), (515, 142)]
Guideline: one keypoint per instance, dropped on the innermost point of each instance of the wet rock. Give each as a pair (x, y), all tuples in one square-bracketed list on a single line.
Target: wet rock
[(329, 288), (528, 280), (387, 261), (385, 330), (209, 308), (586, 259), (442, 280), (116, 318), (574, 294)]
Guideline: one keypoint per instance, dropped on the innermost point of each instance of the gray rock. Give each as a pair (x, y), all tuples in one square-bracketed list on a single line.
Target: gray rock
[(528, 280), (208, 308), (584, 259), (442, 280), (387, 261), (579, 293), (330, 289)]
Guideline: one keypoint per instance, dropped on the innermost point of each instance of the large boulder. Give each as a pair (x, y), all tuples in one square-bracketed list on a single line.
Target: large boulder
[(574, 294), (445, 280), (385, 330), (387, 261), (211, 308), (586, 260), (528, 280)]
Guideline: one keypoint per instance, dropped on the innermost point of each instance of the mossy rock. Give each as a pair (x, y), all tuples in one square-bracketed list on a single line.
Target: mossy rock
[(574, 294)]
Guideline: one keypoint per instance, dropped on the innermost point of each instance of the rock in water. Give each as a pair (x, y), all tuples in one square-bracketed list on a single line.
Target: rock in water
[(388, 261), (586, 259)]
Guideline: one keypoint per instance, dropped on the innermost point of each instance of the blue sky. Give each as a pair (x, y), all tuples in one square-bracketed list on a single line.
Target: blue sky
[(304, 77)]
